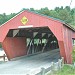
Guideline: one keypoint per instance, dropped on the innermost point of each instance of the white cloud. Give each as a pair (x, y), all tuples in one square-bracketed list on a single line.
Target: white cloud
[(10, 6)]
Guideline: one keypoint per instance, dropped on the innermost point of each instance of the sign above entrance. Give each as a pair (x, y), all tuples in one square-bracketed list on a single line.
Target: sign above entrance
[(24, 20)]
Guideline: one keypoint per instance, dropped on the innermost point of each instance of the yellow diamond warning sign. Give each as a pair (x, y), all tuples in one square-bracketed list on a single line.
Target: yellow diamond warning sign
[(24, 20)]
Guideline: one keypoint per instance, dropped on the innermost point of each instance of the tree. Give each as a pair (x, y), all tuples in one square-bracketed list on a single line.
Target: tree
[(67, 8), (3, 18), (65, 16), (44, 11), (32, 9)]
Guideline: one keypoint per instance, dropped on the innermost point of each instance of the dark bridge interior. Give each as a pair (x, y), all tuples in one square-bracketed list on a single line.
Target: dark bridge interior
[(39, 39)]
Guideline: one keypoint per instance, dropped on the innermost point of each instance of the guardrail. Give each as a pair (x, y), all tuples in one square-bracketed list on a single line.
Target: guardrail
[(54, 66), (3, 56)]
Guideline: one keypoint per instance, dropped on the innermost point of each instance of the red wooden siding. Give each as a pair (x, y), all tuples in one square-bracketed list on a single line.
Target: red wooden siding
[(14, 47)]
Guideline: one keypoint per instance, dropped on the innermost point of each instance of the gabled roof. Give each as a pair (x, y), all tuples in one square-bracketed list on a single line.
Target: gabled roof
[(15, 22), (66, 24)]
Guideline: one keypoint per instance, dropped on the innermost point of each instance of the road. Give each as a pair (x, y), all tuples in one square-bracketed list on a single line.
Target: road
[(29, 64)]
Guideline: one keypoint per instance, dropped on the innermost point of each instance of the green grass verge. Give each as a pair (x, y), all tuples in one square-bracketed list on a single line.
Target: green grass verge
[(66, 70)]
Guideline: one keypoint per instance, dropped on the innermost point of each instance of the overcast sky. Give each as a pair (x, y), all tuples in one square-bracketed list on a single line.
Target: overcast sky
[(13, 6)]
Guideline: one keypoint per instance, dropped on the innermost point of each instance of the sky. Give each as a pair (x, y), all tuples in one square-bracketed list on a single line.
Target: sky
[(14, 6)]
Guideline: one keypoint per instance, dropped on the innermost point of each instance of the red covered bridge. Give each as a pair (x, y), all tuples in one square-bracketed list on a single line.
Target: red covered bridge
[(18, 36)]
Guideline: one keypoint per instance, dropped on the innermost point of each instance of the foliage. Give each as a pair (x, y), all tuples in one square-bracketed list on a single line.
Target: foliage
[(4, 17), (65, 14), (73, 54), (0, 46), (66, 70)]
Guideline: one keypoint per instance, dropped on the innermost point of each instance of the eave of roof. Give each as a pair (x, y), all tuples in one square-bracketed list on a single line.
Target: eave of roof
[(69, 26)]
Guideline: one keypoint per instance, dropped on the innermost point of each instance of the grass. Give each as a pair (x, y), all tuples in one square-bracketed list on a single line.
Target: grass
[(66, 70), (73, 54)]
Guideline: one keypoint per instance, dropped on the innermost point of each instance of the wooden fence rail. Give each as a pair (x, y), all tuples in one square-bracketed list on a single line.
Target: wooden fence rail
[(54, 66), (3, 56)]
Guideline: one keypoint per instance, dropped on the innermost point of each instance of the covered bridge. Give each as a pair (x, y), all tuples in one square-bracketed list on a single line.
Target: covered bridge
[(28, 31)]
